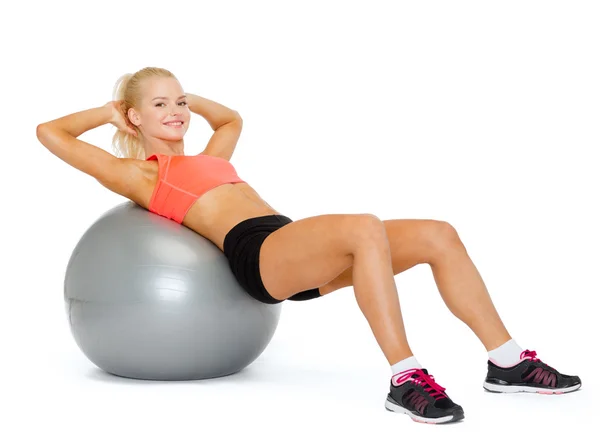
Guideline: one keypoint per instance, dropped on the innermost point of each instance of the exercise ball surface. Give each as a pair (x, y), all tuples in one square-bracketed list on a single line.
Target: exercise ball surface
[(148, 298)]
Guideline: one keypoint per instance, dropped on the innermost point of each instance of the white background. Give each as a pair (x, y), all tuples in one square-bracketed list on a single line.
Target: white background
[(482, 114)]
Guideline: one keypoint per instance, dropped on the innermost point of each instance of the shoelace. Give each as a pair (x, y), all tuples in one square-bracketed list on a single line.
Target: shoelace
[(532, 356), (435, 390)]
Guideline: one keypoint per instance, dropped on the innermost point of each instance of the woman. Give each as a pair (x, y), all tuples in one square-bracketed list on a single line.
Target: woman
[(276, 259)]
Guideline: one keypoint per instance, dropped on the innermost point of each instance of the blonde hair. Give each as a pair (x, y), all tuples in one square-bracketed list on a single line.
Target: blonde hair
[(128, 89)]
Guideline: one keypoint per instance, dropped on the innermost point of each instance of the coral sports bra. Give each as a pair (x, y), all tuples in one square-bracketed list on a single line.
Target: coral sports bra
[(183, 179)]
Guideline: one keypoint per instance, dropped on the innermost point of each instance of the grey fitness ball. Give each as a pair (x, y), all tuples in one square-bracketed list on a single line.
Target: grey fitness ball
[(148, 298)]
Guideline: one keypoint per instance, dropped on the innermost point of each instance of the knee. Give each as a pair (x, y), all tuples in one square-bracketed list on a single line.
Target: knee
[(444, 236), (369, 228)]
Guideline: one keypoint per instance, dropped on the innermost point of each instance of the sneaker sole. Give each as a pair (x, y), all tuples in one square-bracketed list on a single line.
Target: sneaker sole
[(499, 388), (393, 407)]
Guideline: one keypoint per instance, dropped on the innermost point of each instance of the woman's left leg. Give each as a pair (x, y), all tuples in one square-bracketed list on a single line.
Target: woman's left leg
[(438, 244)]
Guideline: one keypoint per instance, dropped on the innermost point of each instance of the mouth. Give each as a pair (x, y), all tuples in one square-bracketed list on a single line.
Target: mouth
[(176, 124)]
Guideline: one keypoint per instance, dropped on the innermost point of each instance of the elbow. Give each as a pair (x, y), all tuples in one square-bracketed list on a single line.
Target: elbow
[(236, 118), (46, 134), (40, 131)]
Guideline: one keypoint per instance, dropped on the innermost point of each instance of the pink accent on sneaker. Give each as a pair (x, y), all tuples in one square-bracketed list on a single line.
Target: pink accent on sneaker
[(542, 376), (526, 355), (422, 379), (418, 401), (502, 366), (530, 355)]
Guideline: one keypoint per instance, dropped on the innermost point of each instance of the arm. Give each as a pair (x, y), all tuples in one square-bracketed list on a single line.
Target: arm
[(215, 113), (60, 137), (226, 123), (77, 123)]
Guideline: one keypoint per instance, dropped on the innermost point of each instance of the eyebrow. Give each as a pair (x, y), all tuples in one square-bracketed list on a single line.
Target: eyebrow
[(162, 97)]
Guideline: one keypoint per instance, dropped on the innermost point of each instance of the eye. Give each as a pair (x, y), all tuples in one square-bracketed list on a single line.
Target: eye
[(162, 103)]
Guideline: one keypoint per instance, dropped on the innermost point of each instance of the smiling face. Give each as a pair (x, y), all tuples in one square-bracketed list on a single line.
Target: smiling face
[(163, 101)]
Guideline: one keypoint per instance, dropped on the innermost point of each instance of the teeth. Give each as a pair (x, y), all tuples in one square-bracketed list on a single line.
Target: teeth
[(175, 123)]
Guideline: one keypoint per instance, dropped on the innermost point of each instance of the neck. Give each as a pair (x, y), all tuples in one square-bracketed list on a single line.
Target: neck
[(154, 146)]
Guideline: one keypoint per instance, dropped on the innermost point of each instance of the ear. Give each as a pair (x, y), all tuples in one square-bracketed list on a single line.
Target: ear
[(133, 116)]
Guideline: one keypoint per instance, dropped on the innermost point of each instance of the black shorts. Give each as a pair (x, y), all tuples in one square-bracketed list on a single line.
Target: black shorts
[(242, 248)]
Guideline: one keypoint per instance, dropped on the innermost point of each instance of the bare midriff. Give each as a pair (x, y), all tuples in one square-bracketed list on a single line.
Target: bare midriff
[(216, 212)]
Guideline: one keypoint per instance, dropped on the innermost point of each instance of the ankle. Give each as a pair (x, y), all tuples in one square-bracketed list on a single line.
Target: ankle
[(405, 364), (507, 354)]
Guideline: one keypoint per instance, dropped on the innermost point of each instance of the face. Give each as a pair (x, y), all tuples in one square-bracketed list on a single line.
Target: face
[(162, 102)]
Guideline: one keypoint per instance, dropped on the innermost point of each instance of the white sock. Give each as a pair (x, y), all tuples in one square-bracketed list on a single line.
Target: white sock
[(408, 363), (507, 354)]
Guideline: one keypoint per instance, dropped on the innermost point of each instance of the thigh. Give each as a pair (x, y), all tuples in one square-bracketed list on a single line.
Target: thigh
[(308, 253), (412, 242)]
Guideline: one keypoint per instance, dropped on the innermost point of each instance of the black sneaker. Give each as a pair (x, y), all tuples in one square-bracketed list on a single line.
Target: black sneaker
[(529, 375), (415, 393)]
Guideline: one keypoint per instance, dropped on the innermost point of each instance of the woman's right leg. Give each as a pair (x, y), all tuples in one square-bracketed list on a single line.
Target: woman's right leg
[(309, 253)]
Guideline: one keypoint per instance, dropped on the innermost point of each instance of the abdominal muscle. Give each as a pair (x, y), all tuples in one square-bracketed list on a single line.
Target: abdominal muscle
[(216, 212)]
